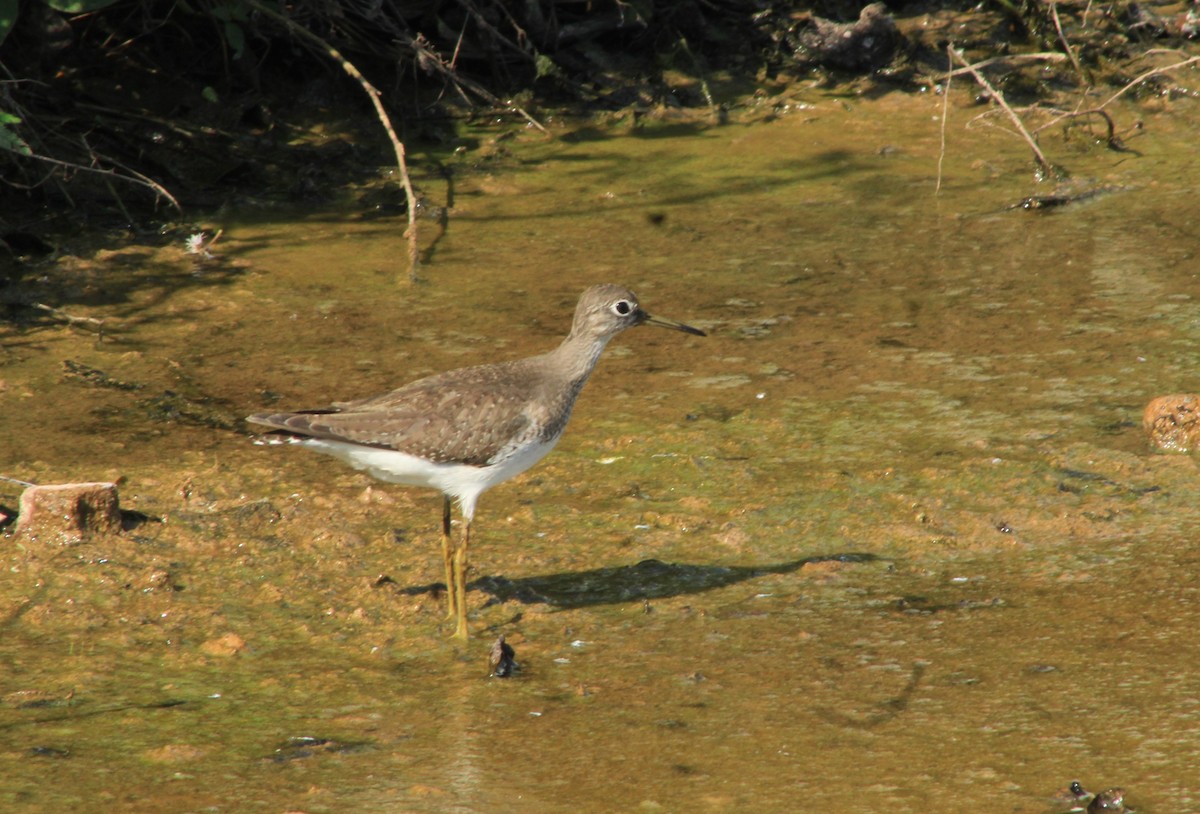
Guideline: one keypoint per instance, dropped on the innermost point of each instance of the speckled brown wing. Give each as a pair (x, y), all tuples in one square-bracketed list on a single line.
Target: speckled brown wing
[(464, 416)]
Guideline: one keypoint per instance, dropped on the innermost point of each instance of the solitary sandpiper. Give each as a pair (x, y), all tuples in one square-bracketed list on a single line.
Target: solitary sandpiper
[(466, 430)]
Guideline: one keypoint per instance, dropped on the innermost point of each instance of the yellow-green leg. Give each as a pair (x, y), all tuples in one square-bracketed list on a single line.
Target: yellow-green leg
[(448, 560), (460, 580)]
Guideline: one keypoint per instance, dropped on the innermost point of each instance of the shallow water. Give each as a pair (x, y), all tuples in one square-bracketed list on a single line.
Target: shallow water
[(890, 538)]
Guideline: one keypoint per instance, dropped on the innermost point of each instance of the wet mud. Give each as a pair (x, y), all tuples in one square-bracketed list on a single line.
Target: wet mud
[(891, 538)]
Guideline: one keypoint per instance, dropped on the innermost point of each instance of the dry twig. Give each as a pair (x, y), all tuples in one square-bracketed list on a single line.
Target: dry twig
[(430, 60), (1044, 167), (414, 257), (1140, 78), (1099, 110), (70, 319), (1062, 37), (1041, 56), (134, 177), (945, 115)]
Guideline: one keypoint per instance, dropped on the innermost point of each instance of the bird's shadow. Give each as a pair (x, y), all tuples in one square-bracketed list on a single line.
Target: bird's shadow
[(648, 579)]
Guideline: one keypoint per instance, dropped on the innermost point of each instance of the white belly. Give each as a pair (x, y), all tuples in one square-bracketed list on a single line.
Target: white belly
[(463, 482)]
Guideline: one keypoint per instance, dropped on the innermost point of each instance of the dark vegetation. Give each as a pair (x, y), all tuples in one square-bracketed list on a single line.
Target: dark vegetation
[(126, 108)]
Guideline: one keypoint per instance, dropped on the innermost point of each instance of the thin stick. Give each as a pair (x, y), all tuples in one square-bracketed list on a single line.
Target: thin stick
[(414, 256), (1066, 45), (1111, 139), (1098, 110), (1043, 164), (69, 318), (945, 114), (1143, 77), (1043, 56), (429, 59), (137, 178)]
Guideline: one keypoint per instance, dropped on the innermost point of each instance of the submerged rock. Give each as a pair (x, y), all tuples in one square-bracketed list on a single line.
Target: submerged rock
[(1111, 801), (1173, 422), (66, 512), (228, 645), (1074, 799)]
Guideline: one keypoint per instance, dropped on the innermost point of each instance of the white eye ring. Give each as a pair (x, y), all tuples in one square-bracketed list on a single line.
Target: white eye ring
[(623, 307)]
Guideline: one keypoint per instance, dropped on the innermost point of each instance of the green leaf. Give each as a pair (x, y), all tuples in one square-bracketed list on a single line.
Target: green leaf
[(230, 12), (546, 67), (9, 140), (78, 6), (8, 16), (236, 39)]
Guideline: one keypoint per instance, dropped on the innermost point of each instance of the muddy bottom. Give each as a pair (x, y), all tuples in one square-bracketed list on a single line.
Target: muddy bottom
[(889, 538)]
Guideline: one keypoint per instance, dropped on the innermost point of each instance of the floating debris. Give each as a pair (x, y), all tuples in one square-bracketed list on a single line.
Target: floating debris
[(36, 699), (94, 377), (502, 659), (49, 751), (301, 747), (200, 244), (1110, 801)]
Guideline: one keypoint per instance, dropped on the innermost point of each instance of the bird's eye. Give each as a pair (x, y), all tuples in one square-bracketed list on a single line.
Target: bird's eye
[(623, 307)]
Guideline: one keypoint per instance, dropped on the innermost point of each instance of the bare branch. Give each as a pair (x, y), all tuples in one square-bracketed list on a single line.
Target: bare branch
[(1043, 165), (1099, 110), (1042, 56), (1083, 77), (70, 319), (414, 257), (942, 151), (134, 177), (1143, 77), (430, 60)]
